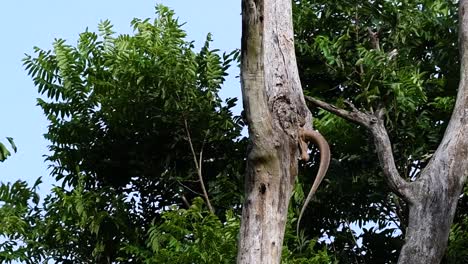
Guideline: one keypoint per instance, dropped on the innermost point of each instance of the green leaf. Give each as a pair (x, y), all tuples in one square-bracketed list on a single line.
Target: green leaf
[(12, 143)]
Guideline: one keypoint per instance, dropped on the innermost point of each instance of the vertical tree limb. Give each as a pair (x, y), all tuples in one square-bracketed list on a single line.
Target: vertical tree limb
[(198, 165)]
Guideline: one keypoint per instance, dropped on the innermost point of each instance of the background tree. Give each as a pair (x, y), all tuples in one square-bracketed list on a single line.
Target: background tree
[(135, 124), (100, 145), (393, 56), (330, 64)]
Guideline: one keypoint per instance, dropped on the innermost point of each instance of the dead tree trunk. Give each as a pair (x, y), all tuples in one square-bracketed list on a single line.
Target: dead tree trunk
[(433, 197), (275, 111)]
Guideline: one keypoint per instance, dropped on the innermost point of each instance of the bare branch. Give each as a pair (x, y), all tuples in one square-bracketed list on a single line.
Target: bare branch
[(374, 123), (190, 189), (198, 166), (354, 116), (384, 151), (348, 227), (184, 199), (351, 105)]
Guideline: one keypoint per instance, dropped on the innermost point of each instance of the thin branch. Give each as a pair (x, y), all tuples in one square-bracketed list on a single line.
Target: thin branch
[(190, 189), (354, 116), (198, 166), (354, 239), (374, 123), (184, 199), (361, 67), (200, 163), (351, 233)]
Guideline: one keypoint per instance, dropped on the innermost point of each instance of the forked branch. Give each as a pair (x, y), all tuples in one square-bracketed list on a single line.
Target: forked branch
[(198, 165), (375, 124)]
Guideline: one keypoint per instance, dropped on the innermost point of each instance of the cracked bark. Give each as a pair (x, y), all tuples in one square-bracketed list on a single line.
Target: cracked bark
[(275, 110), (433, 197)]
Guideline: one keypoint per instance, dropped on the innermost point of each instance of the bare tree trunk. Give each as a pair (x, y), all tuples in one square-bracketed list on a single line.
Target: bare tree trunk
[(275, 110), (433, 197), (440, 184), (430, 218)]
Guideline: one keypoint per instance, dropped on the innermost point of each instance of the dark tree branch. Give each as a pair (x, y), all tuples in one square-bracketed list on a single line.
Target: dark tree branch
[(354, 116), (384, 151), (374, 123)]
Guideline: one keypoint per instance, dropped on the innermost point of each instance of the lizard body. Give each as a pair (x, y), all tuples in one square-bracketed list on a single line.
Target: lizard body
[(317, 139)]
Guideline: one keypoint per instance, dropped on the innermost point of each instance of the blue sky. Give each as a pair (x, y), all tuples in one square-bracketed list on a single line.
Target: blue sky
[(25, 24)]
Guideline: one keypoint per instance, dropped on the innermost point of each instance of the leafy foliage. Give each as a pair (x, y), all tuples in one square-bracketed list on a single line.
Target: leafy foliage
[(457, 251), (118, 105), (4, 152), (190, 235), (196, 236), (399, 54), (19, 214), (124, 108), (123, 111)]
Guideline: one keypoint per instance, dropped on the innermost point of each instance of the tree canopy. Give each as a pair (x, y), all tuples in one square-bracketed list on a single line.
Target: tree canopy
[(149, 160), (402, 55), (131, 120), (137, 131)]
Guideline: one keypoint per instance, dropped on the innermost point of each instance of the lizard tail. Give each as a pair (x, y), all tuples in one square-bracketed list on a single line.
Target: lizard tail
[(322, 144)]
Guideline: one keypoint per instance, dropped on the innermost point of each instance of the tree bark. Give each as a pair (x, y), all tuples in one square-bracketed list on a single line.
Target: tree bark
[(433, 197), (437, 190), (275, 111)]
